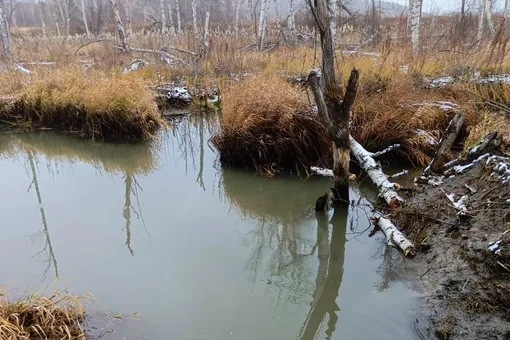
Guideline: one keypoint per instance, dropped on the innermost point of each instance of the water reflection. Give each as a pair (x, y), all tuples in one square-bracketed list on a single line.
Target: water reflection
[(48, 248), (248, 256), (329, 274)]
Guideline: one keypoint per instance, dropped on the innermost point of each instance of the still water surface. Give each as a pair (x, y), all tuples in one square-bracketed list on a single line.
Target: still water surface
[(182, 249)]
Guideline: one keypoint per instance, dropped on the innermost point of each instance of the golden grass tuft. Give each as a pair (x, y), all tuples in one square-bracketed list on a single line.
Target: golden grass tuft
[(267, 125), (96, 105), (57, 317)]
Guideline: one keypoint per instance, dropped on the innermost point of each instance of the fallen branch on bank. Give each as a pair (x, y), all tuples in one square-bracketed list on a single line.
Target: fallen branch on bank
[(394, 236), (446, 143)]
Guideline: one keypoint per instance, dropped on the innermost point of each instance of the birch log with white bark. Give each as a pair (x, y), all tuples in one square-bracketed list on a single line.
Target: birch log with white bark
[(178, 14), (119, 26), (127, 12), (415, 22), (206, 34), (194, 13), (4, 31), (262, 23), (163, 16), (84, 18), (386, 189), (395, 237), (236, 23)]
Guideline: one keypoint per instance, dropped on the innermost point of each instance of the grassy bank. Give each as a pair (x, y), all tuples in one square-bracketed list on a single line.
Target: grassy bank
[(96, 105), (56, 317)]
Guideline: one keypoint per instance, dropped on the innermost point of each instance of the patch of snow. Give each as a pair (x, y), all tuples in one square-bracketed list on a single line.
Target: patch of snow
[(322, 171), (438, 82), (435, 180), (495, 246), (180, 93), (432, 139), (135, 65)]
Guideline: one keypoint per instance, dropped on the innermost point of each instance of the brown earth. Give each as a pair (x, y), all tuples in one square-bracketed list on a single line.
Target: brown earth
[(467, 286)]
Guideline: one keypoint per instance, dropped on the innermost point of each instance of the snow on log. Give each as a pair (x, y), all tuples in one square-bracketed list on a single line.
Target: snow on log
[(385, 151), (394, 236), (322, 171), (451, 133), (387, 190)]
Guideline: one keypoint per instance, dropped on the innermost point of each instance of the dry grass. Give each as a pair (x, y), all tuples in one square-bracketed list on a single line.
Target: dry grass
[(57, 317), (97, 105), (267, 125)]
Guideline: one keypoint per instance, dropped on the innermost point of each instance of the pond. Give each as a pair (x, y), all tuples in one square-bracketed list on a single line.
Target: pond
[(172, 246)]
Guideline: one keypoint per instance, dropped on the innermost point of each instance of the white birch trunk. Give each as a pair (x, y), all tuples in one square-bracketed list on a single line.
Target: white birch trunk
[(127, 11), (488, 15), (4, 31), (163, 16), (387, 189), (84, 18), (195, 22), (43, 20), (262, 23), (171, 17), (481, 21), (236, 24), (292, 18), (415, 20), (206, 33), (252, 18), (120, 27), (395, 237), (506, 9), (178, 10), (333, 17)]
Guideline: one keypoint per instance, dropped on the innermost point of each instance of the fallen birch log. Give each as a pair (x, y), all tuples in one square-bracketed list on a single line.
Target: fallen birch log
[(387, 190), (394, 236), (446, 143)]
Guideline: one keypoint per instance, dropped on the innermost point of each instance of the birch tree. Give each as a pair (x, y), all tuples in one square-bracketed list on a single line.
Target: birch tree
[(84, 18), (414, 21), (178, 13), (40, 6), (236, 23), (4, 31), (488, 15), (334, 13), (262, 23), (292, 18), (194, 13), (119, 26), (334, 111), (64, 9), (127, 12), (206, 34), (163, 18), (171, 17)]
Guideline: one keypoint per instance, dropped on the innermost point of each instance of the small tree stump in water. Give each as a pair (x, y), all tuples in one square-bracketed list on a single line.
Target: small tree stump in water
[(322, 202)]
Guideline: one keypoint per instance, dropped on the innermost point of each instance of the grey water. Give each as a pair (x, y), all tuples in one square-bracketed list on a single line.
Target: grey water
[(173, 246)]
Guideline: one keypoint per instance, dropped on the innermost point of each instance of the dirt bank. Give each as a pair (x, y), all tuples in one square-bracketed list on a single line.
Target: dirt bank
[(466, 270)]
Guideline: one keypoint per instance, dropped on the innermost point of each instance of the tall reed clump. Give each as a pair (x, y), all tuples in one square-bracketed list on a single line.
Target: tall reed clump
[(57, 317), (267, 125), (96, 105), (404, 114)]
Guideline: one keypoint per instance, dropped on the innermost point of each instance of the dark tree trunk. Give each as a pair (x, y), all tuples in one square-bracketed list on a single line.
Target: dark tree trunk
[(333, 112)]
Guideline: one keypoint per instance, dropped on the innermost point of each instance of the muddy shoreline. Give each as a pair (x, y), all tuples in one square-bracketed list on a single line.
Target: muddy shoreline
[(465, 271)]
